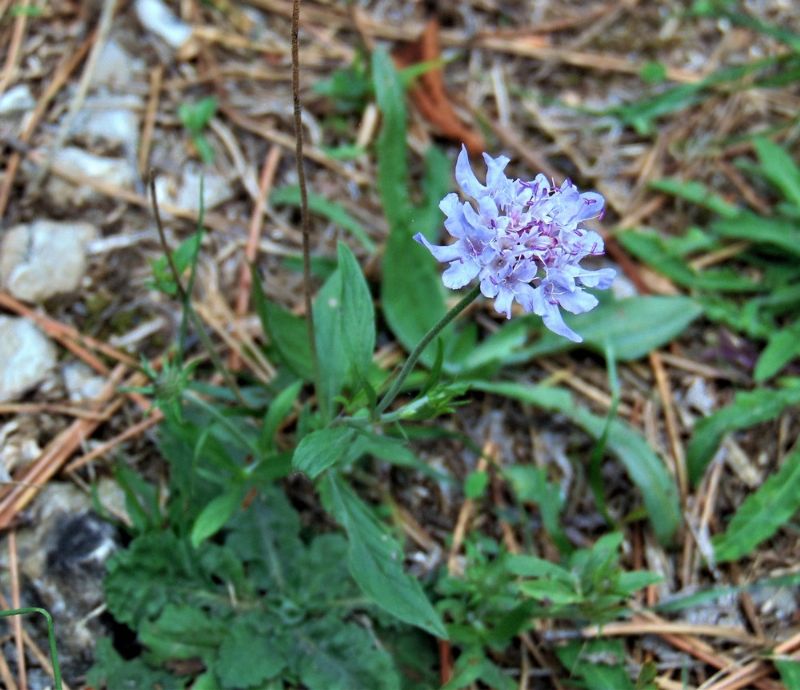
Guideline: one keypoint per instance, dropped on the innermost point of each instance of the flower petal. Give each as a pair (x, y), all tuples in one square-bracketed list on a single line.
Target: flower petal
[(577, 302), (503, 301), (601, 279), (445, 252), (466, 178), (495, 178), (459, 273), (591, 205)]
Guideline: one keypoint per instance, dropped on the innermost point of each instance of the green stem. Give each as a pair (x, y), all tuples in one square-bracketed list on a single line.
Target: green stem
[(392, 393), (51, 638)]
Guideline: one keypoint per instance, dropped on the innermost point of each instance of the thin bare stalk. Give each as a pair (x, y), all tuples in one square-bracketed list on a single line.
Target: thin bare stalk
[(185, 297), (301, 180), (437, 328)]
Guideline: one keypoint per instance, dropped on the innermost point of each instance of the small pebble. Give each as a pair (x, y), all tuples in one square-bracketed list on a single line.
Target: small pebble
[(44, 258), (26, 356)]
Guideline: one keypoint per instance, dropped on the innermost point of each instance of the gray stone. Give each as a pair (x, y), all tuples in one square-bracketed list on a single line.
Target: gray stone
[(110, 119), (157, 18), (81, 382), (115, 67), (26, 356), (62, 558), (18, 445), (76, 162), (17, 100), (44, 258), (186, 193)]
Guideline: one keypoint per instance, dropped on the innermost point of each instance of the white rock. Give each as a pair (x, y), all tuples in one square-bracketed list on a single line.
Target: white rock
[(26, 357), (74, 161), (81, 382), (115, 66), (156, 17), (186, 194), (18, 445), (110, 118), (44, 258), (17, 100)]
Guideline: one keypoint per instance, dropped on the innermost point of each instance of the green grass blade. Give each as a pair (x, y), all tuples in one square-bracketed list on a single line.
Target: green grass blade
[(746, 410), (335, 213), (762, 513), (643, 466)]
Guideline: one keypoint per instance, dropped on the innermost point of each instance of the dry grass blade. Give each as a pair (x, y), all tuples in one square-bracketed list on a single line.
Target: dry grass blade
[(106, 447), (33, 478)]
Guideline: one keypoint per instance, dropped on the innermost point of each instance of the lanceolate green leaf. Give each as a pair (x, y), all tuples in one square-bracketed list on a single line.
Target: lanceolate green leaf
[(643, 466), (376, 560), (333, 362), (332, 211), (747, 409), (322, 449), (392, 162), (411, 290), (783, 346), (212, 518), (287, 333), (790, 672), (780, 169), (358, 313), (781, 233), (763, 513), (697, 193), (632, 327)]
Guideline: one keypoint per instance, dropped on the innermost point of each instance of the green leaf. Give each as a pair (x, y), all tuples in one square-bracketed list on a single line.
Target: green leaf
[(248, 656), (196, 116), (697, 193), (182, 257), (358, 313), (288, 333), (278, 410), (111, 671), (633, 327), (214, 516), (395, 451), (635, 580), (336, 213), (181, 632), (266, 539), (411, 290), (498, 347), (333, 362), (411, 293), (530, 484), (391, 148), (667, 255), (644, 467), (780, 233), (600, 664), (376, 560), (780, 168), (474, 665), (790, 672), (746, 410), (437, 180), (782, 348), (322, 449), (762, 513), (334, 655), (532, 566), (475, 484)]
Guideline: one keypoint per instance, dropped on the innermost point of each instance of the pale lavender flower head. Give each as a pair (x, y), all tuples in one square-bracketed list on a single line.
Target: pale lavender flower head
[(524, 241)]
